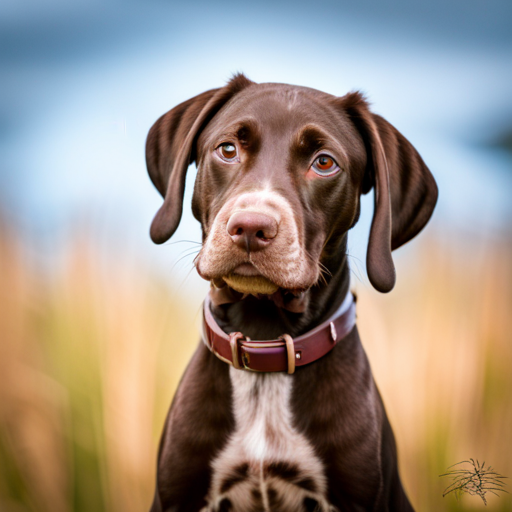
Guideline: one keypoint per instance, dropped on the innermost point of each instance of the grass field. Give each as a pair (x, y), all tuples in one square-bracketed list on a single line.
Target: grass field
[(91, 353)]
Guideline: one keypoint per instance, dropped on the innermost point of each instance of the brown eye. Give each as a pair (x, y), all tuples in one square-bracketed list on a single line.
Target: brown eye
[(324, 165), (227, 151)]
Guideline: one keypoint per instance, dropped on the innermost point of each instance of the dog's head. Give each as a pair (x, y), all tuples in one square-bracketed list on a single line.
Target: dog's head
[(281, 170)]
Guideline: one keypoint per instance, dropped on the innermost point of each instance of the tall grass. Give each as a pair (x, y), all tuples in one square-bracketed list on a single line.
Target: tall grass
[(88, 364), (441, 350), (91, 353)]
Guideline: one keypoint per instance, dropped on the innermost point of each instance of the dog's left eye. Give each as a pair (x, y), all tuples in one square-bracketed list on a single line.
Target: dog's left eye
[(227, 152), (325, 165)]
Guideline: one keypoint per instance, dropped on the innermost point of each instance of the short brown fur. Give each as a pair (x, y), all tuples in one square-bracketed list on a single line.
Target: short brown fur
[(334, 402)]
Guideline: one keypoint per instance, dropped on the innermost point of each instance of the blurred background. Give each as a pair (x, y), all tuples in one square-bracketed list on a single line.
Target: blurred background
[(97, 324)]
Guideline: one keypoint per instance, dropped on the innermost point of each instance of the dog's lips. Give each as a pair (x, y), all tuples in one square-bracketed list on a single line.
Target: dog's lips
[(237, 284), (244, 268), (247, 270)]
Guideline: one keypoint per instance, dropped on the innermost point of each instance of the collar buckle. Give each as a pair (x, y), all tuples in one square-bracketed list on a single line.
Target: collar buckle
[(290, 352), (234, 338), (236, 342), (284, 353)]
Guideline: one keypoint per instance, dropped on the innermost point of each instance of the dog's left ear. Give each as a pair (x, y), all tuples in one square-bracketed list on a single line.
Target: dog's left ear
[(405, 190), (170, 149)]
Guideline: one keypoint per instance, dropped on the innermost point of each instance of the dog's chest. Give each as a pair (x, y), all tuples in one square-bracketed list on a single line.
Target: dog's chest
[(267, 464)]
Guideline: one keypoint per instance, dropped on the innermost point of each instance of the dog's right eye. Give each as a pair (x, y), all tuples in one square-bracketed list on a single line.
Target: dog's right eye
[(227, 152), (325, 165)]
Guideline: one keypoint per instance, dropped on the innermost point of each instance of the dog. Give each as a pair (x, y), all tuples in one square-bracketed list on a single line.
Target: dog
[(278, 410)]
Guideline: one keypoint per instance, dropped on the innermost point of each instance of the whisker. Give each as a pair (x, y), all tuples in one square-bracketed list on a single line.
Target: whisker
[(354, 257), (325, 269), (183, 257), (184, 241), (322, 277), (358, 274), (182, 283), (356, 260), (189, 250)]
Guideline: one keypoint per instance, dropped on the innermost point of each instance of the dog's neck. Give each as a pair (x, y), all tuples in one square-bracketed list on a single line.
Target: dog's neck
[(263, 319)]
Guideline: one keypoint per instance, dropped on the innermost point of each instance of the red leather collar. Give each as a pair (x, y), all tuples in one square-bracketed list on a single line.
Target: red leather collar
[(284, 353)]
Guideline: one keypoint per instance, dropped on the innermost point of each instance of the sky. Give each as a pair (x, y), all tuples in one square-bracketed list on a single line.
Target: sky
[(83, 81)]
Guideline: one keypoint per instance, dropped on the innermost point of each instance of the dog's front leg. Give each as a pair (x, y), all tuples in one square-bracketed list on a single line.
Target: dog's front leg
[(197, 427)]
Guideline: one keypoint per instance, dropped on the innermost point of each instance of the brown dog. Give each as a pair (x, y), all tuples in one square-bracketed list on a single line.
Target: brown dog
[(280, 173)]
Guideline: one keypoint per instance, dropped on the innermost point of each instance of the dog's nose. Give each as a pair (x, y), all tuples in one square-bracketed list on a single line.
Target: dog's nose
[(252, 231)]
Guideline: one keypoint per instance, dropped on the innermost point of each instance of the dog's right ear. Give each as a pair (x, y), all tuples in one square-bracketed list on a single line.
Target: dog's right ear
[(170, 149)]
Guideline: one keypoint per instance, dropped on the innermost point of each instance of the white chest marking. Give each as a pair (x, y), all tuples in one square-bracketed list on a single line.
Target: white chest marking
[(264, 435), (263, 416)]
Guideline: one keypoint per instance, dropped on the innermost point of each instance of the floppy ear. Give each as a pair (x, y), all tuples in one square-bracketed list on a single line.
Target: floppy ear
[(170, 150), (405, 190)]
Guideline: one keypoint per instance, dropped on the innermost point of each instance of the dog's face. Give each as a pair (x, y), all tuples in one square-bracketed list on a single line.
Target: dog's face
[(280, 173)]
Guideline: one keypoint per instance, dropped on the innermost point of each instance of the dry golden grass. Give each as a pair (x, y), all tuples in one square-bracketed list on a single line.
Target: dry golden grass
[(91, 353), (441, 351), (89, 360)]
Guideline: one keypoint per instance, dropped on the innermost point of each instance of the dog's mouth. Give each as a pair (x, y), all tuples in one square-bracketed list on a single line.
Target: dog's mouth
[(246, 279)]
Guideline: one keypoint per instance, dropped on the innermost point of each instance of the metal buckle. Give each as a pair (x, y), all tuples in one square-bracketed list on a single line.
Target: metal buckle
[(285, 339), (290, 350), (234, 338)]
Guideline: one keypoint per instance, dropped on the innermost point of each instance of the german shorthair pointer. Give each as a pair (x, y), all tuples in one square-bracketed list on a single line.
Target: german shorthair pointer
[(278, 410)]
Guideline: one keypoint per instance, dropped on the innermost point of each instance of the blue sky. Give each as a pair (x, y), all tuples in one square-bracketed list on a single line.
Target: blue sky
[(83, 81)]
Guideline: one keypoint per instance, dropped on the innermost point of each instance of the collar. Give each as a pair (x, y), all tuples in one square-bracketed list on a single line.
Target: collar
[(284, 353)]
